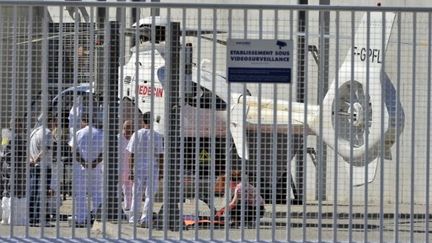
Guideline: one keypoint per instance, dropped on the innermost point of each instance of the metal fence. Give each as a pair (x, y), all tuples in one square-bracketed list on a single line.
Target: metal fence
[(124, 121)]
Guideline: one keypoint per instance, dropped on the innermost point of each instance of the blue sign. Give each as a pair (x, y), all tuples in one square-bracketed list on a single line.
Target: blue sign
[(259, 61)]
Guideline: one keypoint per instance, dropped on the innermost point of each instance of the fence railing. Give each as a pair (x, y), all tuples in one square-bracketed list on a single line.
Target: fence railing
[(215, 122)]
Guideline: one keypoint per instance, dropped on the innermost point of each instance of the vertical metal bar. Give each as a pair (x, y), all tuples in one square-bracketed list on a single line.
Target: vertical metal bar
[(398, 129), (198, 127), (350, 227), (106, 94), (13, 116), (428, 126), (89, 182), (75, 111), (244, 137), (120, 154), (213, 123), (413, 135), (92, 76), (3, 100), (383, 44), (258, 142), (168, 156), (324, 46), (305, 117), (228, 164), (136, 113), (173, 48), (44, 78), (100, 20), (2, 88), (60, 164), (152, 104), (290, 136), (336, 125), (319, 168), (91, 125), (89, 179), (366, 184), (298, 142), (134, 18), (275, 142), (29, 100), (182, 122)]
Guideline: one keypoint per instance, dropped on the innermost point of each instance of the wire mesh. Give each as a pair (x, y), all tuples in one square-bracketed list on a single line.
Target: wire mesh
[(119, 121)]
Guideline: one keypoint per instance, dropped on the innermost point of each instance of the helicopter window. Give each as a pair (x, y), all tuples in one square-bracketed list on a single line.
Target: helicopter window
[(205, 97), (161, 74), (127, 79)]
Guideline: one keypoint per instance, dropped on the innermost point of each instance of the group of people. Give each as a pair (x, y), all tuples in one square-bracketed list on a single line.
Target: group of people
[(141, 157), (136, 162), (41, 175), (86, 140)]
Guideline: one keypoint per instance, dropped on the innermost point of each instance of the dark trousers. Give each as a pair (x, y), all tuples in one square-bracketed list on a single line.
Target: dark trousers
[(35, 194)]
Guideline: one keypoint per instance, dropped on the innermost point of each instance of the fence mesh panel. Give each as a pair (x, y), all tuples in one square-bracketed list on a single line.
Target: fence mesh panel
[(124, 121)]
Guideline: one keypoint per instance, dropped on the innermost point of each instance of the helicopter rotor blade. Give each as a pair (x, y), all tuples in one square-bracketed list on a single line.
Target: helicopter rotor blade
[(57, 36), (143, 31)]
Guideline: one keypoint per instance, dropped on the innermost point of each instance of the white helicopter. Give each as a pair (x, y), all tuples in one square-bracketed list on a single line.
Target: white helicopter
[(351, 114)]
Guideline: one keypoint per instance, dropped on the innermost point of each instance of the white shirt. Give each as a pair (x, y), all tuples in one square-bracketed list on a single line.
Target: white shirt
[(41, 143), (75, 115), (88, 144), (139, 145)]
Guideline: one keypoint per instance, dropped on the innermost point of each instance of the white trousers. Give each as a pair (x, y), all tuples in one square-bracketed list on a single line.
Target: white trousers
[(127, 194), (86, 182), (137, 195), (19, 211)]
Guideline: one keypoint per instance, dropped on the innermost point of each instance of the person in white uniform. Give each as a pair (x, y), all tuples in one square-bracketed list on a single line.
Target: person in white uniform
[(125, 182), (75, 116), (87, 171), (146, 155)]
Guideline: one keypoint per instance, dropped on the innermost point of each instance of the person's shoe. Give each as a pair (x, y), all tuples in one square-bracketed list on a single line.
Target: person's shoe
[(81, 225)]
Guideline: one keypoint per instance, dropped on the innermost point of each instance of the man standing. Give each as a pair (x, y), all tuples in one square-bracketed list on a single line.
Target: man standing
[(125, 182), (41, 143), (146, 154), (87, 146)]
